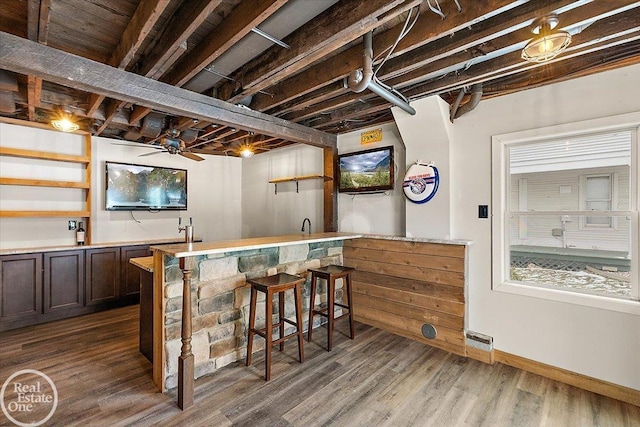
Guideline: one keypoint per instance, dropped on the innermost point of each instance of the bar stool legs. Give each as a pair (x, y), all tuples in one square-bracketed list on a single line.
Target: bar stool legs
[(330, 274), (271, 285)]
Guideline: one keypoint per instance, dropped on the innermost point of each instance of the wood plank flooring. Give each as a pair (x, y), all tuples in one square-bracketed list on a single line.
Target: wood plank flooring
[(378, 379)]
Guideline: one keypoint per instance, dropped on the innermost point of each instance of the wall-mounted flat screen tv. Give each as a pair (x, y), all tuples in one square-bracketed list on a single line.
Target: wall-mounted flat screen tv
[(366, 171), (138, 187)]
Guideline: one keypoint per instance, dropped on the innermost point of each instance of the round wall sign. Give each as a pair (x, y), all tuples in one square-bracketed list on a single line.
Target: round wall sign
[(421, 182)]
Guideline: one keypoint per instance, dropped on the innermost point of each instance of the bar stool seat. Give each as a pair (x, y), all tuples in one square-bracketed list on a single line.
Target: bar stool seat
[(330, 273), (271, 285)]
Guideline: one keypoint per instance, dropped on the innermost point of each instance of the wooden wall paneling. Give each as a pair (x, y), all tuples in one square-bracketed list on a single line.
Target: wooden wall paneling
[(439, 249), (407, 258), (20, 286), (400, 286), (63, 280), (409, 272)]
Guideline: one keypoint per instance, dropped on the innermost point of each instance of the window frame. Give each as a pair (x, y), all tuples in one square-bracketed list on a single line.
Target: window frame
[(613, 200), (501, 181)]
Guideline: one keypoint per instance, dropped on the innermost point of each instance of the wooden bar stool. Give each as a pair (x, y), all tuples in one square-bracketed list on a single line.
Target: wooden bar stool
[(330, 274), (276, 284)]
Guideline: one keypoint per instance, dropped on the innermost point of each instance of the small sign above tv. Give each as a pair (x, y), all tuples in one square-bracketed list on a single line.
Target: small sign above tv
[(131, 187), (368, 171)]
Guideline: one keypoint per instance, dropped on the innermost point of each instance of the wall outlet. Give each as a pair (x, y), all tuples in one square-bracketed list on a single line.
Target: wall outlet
[(72, 225)]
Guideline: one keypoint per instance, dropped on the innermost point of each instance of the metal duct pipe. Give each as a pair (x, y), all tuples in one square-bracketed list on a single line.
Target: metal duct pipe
[(476, 96), (360, 80)]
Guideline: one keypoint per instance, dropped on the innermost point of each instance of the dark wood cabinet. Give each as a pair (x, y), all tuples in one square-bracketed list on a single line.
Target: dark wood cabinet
[(102, 275), (20, 286), (130, 274), (63, 280)]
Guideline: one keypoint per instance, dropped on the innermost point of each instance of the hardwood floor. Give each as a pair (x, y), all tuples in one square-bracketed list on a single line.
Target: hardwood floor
[(378, 379)]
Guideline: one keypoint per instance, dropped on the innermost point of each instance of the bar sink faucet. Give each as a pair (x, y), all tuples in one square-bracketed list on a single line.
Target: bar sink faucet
[(303, 222)]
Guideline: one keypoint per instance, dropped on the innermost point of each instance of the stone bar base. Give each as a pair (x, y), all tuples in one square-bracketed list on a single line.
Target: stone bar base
[(220, 300)]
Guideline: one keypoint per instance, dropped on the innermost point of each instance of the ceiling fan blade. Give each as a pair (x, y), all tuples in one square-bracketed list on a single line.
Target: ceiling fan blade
[(137, 145), (150, 154), (191, 156)]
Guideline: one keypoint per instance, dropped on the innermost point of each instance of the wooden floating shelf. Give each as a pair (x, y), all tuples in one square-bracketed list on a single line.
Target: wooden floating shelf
[(43, 155), (298, 178), (45, 214), (295, 179), (44, 183)]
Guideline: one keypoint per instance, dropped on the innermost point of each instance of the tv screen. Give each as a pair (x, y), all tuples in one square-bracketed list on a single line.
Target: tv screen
[(366, 171), (139, 187)]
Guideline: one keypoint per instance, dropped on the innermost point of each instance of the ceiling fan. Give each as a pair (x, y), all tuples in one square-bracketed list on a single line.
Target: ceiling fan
[(172, 144)]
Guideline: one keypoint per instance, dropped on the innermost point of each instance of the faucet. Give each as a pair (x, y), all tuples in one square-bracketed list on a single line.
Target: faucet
[(188, 229), (306, 220)]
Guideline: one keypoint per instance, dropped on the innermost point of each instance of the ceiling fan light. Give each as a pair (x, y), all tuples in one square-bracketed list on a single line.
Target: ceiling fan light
[(547, 42)]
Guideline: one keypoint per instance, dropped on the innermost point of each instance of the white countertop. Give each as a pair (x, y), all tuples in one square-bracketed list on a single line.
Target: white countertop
[(205, 248)]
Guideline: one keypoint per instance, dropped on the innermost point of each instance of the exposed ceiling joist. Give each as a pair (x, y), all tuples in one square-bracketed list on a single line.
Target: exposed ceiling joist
[(22, 56), (338, 25)]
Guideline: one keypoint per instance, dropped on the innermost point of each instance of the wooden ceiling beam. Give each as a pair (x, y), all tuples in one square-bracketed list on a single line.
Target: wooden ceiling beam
[(184, 23), (238, 24), (144, 18), (442, 55), (34, 84), (607, 33), (428, 27), (23, 56), (109, 112), (334, 28)]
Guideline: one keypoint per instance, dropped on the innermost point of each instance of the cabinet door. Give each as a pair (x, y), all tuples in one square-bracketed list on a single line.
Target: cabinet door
[(20, 286), (130, 283), (63, 280), (102, 275)]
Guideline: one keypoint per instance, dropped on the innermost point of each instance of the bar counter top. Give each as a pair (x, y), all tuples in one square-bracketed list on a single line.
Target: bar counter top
[(17, 251), (205, 248)]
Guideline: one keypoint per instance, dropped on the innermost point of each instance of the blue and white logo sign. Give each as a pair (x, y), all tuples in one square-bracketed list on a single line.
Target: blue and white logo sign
[(421, 182)]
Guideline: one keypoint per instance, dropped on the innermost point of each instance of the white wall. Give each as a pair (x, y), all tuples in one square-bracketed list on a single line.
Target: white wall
[(265, 213), (426, 136), (214, 197), (380, 213), (214, 193), (596, 342)]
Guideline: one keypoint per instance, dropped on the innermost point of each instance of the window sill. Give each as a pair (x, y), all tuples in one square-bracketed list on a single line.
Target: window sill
[(594, 301)]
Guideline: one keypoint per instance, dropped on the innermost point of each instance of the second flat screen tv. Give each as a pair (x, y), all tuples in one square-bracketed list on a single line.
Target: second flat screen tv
[(366, 171), (138, 187)]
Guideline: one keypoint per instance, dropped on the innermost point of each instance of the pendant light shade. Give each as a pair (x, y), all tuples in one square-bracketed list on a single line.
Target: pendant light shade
[(548, 42)]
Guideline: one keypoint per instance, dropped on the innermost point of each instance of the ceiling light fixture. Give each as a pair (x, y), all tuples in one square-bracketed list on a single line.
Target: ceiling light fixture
[(64, 123), (246, 152), (547, 42)]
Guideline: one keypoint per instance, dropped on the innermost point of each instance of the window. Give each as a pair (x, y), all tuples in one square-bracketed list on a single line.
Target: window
[(566, 204), (597, 194)]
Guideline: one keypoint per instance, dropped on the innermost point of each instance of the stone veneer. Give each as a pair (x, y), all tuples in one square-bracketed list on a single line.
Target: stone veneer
[(220, 301)]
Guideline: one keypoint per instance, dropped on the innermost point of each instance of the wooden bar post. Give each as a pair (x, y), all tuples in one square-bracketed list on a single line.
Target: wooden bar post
[(186, 359), (330, 189)]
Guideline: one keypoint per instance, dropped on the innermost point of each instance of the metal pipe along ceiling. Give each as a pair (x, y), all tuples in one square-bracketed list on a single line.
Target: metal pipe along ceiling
[(360, 80)]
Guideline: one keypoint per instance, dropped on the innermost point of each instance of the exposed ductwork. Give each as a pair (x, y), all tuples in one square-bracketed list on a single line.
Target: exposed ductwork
[(458, 110), (360, 80)]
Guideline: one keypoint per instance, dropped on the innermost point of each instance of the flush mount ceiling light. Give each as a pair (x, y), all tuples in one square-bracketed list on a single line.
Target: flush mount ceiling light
[(547, 42), (63, 122), (246, 152)]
